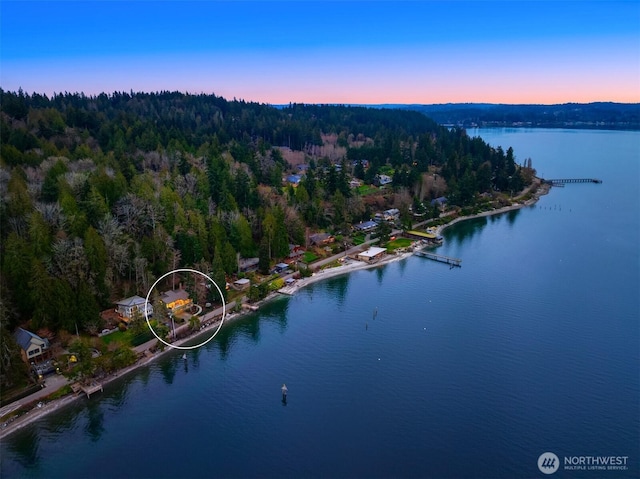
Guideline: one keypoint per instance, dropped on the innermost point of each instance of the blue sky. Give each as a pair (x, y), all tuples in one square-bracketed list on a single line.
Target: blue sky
[(328, 52)]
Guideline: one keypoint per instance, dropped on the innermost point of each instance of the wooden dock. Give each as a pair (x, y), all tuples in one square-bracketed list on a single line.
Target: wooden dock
[(90, 389), (440, 258), (563, 181)]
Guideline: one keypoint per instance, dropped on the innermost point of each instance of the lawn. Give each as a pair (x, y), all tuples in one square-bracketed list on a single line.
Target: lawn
[(357, 239), (123, 337), (127, 338), (309, 257), (366, 190), (398, 243)]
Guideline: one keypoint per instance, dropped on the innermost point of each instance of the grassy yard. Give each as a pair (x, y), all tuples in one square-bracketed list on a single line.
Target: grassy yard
[(123, 337), (357, 239), (127, 338), (398, 243), (366, 190), (309, 257)]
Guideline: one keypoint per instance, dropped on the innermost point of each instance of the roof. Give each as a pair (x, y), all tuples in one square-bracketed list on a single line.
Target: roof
[(132, 301), (366, 225), (244, 262), (282, 265), (422, 234), (171, 296), (372, 252), (24, 338), (242, 281), (318, 237)]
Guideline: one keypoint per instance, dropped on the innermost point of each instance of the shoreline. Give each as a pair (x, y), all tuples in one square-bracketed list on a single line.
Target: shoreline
[(42, 408)]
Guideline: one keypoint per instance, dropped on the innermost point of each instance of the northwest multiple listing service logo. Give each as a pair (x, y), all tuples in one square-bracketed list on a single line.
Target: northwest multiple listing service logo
[(548, 463)]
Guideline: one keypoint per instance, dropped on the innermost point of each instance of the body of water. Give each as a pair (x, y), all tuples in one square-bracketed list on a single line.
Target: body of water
[(531, 347)]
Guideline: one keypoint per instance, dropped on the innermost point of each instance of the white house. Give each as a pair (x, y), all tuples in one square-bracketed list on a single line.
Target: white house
[(126, 308), (371, 254)]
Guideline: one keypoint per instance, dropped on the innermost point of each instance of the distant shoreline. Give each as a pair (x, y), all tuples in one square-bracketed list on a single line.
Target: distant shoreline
[(37, 413)]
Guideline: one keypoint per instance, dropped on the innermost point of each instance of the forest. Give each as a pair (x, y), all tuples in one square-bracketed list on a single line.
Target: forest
[(103, 194), (597, 115)]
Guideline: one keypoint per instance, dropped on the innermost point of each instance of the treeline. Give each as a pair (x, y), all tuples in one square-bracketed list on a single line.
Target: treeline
[(568, 115), (103, 194)]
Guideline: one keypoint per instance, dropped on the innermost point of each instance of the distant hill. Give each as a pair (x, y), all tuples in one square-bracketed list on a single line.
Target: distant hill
[(604, 115)]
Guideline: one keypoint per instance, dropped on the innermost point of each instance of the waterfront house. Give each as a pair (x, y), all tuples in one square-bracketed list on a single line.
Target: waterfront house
[(176, 300), (241, 284), (372, 254), (280, 268), (33, 348), (127, 308)]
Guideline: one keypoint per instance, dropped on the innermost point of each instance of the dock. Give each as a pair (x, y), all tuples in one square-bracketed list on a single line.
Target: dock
[(90, 389), (563, 181), (440, 258)]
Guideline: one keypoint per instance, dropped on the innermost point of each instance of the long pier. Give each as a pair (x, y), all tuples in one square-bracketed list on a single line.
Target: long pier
[(563, 181), (440, 258)]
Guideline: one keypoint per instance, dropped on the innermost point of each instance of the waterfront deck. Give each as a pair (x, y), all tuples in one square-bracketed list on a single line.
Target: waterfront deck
[(90, 389), (440, 258)]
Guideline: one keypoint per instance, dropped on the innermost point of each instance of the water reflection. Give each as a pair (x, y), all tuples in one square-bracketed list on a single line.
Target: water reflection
[(277, 313), (168, 370), (512, 215), (249, 329), (95, 423), (24, 445), (402, 265), (118, 392), (338, 287), (465, 230)]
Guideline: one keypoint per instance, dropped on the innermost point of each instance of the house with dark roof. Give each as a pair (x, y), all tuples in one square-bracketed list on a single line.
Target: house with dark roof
[(33, 348), (366, 226), (248, 265), (440, 201), (320, 239), (295, 252), (176, 300), (382, 180)]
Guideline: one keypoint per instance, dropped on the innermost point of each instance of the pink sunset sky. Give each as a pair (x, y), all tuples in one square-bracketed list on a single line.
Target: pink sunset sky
[(328, 52)]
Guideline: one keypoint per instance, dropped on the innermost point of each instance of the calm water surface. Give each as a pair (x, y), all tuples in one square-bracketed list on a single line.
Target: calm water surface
[(531, 346)]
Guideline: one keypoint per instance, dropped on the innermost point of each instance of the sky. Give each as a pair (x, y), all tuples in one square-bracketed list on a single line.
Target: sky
[(362, 52)]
